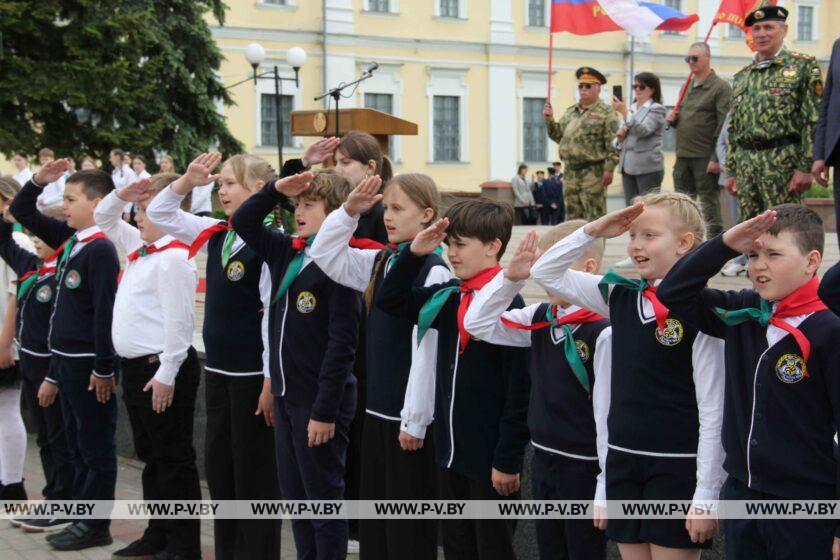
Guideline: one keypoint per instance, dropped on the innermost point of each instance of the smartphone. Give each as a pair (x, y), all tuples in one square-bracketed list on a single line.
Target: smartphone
[(617, 93)]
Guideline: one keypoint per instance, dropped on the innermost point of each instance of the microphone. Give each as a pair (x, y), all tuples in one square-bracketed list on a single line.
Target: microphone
[(373, 66)]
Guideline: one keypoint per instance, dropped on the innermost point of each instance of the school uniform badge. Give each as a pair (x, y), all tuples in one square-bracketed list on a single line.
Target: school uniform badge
[(44, 294), (306, 302), (790, 368), (235, 271), (582, 350), (671, 334), (73, 279)]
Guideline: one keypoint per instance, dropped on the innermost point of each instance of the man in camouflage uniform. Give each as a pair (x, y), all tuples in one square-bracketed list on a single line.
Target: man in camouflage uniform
[(774, 115), (585, 136)]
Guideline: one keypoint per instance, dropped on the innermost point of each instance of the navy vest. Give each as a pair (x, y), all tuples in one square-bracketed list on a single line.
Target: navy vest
[(653, 404), (388, 349), (34, 312), (233, 311), (560, 415)]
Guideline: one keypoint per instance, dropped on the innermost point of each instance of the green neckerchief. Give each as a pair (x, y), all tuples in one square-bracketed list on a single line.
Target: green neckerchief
[(761, 315), (292, 271), (230, 237)]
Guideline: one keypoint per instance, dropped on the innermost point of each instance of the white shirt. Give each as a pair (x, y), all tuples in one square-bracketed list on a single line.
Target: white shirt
[(165, 211), (52, 194), (484, 321), (23, 176), (552, 272), (154, 307), (353, 268), (202, 199)]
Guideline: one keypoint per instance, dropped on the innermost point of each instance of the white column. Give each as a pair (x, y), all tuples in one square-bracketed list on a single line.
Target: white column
[(501, 84), (339, 16), (501, 22)]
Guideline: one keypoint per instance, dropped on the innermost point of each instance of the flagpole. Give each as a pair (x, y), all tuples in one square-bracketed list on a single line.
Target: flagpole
[(684, 88), (550, 64)]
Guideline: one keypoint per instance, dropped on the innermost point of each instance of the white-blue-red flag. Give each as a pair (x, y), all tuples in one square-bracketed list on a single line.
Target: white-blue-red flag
[(638, 18)]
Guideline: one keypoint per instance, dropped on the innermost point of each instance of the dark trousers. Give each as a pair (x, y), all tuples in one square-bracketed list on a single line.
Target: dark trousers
[(545, 215), (313, 473), (239, 461), (353, 467), (163, 441), (558, 215), (555, 477), (93, 425), (639, 185), (837, 197), (389, 473), (57, 454), (474, 539), (691, 178), (773, 539), (527, 215)]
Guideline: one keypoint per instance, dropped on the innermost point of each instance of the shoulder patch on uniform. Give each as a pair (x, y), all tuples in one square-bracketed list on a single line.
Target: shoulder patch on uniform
[(802, 55)]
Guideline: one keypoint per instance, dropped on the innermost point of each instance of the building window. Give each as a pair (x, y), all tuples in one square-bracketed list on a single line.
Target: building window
[(677, 5), (383, 102), (449, 8), (268, 119), (276, 2), (379, 6), (534, 137), (447, 127), (735, 32), (536, 13), (805, 23)]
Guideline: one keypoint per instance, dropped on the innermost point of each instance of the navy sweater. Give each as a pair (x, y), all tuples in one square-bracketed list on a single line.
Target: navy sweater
[(81, 322), (35, 308), (778, 425), (313, 327), (481, 396)]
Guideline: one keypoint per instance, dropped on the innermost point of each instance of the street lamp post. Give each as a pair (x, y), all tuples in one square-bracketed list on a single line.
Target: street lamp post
[(296, 58)]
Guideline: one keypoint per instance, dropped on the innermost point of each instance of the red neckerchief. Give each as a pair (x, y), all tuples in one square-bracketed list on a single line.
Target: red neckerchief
[(659, 309), (364, 243), (580, 316), (205, 236), (151, 249), (467, 288), (802, 301)]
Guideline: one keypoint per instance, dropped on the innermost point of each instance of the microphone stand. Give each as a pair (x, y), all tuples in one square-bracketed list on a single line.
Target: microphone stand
[(335, 93)]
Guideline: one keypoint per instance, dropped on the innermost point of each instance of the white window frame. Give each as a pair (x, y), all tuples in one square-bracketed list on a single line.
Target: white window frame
[(815, 20), (392, 8), (386, 81), (462, 10), (448, 81), (728, 33), (674, 34), (531, 84), (527, 15), (287, 5), (266, 86)]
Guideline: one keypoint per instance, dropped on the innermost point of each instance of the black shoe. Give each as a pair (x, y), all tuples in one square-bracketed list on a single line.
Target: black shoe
[(141, 549), (79, 536), (43, 525), (14, 491), (166, 555)]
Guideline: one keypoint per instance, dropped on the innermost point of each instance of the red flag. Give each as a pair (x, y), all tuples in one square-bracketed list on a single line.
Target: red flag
[(735, 12)]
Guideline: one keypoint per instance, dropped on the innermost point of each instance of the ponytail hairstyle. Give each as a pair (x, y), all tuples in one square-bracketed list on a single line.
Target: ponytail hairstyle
[(364, 148), (249, 170), (686, 216), (422, 191)]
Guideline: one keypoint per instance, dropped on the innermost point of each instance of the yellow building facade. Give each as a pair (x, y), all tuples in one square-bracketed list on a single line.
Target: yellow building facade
[(471, 73)]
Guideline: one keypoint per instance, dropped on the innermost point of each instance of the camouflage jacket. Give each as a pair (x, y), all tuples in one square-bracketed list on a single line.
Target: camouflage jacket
[(773, 100), (586, 135)]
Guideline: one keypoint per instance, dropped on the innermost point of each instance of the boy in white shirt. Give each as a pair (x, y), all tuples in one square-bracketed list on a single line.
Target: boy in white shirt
[(152, 330)]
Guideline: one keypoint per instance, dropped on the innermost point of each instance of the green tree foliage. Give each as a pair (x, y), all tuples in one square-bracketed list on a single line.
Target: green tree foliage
[(85, 76)]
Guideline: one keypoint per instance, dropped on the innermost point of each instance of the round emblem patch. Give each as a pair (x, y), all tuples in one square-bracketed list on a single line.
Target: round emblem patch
[(582, 350), (672, 334), (306, 302), (235, 271), (790, 368), (73, 279), (44, 294)]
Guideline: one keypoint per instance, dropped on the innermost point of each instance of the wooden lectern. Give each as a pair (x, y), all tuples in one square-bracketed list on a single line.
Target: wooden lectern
[(377, 124)]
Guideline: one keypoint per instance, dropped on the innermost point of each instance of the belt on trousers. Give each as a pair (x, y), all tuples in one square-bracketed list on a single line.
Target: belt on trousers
[(584, 165), (759, 145), (142, 360)]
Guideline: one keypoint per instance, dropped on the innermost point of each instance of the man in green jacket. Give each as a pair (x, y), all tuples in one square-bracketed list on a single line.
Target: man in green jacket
[(585, 136)]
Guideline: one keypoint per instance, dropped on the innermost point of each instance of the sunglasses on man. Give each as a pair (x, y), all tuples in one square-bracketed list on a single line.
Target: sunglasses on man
[(692, 58), (585, 86)]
